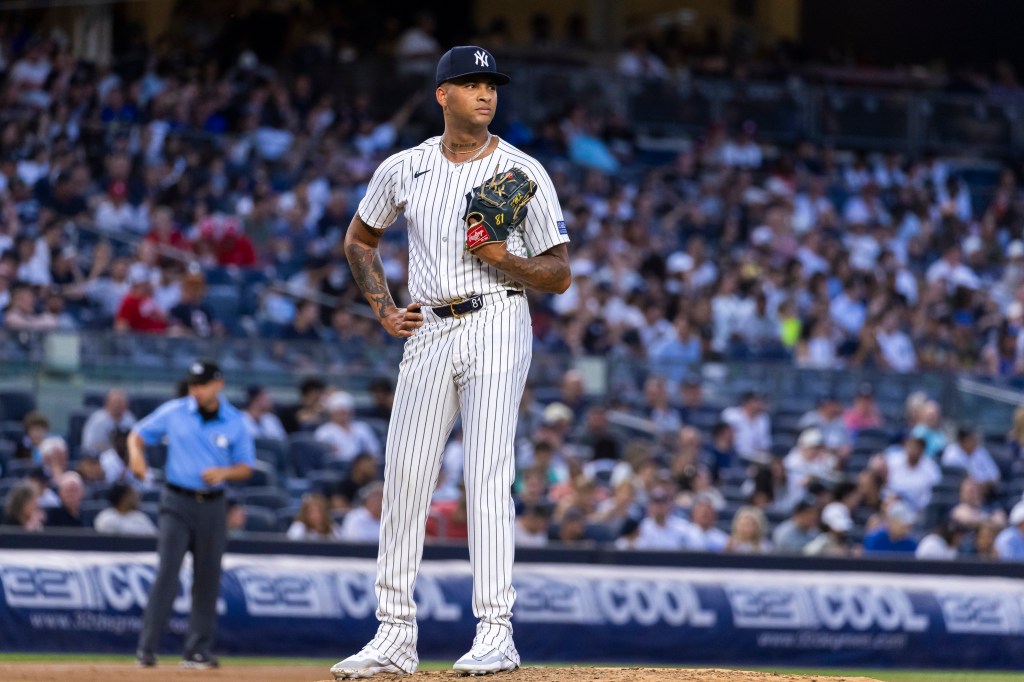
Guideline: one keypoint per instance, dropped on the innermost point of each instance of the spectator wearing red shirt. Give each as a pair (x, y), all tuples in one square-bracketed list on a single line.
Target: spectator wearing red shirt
[(222, 242), (138, 311), (170, 240)]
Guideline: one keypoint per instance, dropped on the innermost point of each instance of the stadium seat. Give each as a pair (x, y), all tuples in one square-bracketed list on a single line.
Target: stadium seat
[(600, 532), (141, 405), (97, 491), (339, 466), (733, 492), (263, 476), (285, 517), (322, 481), (7, 449), (379, 426), (858, 460), (273, 451), (704, 419), (871, 440), (786, 423), (260, 519), (152, 510), (782, 443), (19, 468), (5, 487), (90, 509), (306, 454), (224, 301), (76, 422), (11, 430), (271, 498), (14, 404)]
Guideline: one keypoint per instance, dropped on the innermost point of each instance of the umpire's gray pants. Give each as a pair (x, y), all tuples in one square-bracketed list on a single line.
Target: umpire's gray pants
[(187, 525)]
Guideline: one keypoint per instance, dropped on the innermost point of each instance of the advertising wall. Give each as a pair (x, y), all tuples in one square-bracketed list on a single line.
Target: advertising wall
[(324, 606)]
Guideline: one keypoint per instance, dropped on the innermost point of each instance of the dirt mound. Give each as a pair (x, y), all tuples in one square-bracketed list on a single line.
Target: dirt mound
[(85, 672)]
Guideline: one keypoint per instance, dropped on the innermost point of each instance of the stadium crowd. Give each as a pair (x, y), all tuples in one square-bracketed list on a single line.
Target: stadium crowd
[(129, 193)]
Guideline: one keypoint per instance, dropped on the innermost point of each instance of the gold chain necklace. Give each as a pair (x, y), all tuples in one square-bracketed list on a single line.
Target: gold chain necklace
[(479, 150)]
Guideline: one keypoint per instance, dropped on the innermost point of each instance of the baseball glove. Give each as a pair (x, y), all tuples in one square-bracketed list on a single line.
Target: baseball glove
[(497, 207)]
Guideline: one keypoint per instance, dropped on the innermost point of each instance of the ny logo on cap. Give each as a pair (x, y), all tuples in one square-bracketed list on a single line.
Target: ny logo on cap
[(481, 58)]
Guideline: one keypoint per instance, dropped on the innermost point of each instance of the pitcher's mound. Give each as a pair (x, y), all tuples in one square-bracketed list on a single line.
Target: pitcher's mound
[(100, 672), (588, 674)]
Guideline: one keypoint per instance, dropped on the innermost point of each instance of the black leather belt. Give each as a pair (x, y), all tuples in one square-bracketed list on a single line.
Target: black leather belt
[(467, 305), (199, 495)]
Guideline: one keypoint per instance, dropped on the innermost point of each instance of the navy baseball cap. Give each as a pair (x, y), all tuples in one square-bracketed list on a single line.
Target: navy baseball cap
[(203, 372), (467, 60)]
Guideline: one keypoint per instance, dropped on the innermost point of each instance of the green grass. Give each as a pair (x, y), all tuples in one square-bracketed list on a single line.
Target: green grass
[(884, 675)]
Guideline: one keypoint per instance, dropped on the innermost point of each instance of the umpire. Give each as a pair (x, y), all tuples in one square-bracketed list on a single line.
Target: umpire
[(207, 445)]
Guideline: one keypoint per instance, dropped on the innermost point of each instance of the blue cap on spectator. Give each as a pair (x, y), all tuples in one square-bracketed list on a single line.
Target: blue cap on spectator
[(467, 60)]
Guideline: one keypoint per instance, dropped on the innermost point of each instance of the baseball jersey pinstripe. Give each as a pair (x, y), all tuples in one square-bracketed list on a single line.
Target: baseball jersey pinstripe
[(431, 191), (475, 365)]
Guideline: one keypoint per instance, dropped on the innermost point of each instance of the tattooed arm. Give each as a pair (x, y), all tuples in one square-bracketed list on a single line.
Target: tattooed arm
[(361, 242), (547, 272)]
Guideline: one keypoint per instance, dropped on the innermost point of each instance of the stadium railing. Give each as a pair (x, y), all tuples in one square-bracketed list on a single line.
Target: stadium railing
[(66, 366)]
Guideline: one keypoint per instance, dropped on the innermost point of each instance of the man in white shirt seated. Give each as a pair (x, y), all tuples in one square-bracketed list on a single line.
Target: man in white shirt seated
[(848, 310), (101, 424), (704, 534), (752, 431), (827, 417), (911, 476), (809, 461), (952, 272), (123, 517), (532, 526), (896, 346), (969, 454), (362, 524), (661, 530), (346, 436), (258, 415)]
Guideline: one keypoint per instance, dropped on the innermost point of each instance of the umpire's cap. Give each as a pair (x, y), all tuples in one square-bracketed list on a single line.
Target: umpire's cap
[(467, 60), (202, 372)]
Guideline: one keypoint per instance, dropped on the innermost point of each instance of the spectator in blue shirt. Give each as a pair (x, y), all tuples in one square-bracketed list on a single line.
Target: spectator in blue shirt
[(207, 446), (1010, 541), (895, 536)]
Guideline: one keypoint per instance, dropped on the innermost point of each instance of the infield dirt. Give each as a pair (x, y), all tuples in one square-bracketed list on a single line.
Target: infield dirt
[(86, 672)]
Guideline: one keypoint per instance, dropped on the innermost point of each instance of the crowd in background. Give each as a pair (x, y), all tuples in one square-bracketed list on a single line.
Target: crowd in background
[(125, 190), (686, 473), (124, 194)]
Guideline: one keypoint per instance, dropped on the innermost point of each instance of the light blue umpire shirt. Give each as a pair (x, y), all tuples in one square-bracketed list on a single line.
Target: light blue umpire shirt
[(194, 445)]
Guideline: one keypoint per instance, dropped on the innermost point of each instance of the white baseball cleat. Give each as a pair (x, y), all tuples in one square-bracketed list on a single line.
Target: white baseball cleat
[(483, 659), (367, 663)]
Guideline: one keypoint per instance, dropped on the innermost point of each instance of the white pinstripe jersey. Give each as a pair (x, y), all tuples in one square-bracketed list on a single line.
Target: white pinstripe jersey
[(431, 191)]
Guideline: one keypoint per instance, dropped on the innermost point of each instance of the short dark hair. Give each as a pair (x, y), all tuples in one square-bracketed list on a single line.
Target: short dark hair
[(964, 432), (747, 396), (36, 418), (253, 392), (381, 384), (310, 384), (920, 442), (117, 492)]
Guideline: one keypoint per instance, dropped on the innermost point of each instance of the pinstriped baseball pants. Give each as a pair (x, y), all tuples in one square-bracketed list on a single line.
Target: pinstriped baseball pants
[(476, 365)]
